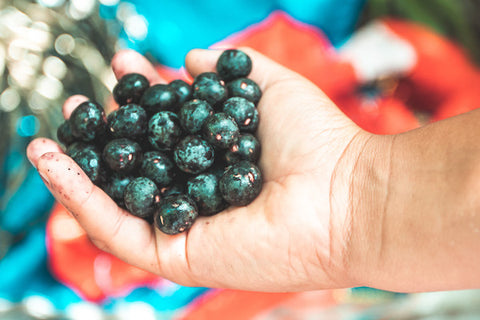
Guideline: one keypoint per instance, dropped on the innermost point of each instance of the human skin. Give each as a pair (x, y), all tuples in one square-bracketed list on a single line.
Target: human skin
[(340, 207)]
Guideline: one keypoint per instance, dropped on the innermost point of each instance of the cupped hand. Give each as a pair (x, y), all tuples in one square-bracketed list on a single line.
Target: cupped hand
[(297, 234)]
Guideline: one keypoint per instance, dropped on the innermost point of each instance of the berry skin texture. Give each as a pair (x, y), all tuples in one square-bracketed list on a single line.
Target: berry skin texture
[(244, 113), (88, 121), (158, 167), (129, 121), (245, 88), (193, 114), (159, 97), (220, 130), (204, 190), (241, 183), (182, 90), (175, 214), (209, 87), (89, 160), (130, 88), (193, 155), (122, 155), (64, 134), (233, 64), (141, 197), (115, 186), (247, 148), (164, 130)]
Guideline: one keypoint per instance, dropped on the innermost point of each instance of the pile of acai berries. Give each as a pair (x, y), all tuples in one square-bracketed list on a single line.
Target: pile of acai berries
[(173, 151)]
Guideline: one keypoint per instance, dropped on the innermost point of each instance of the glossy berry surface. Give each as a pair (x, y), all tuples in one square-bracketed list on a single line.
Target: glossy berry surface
[(130, 88), (141, 197), (182, 90), (164, 130), (122, 155), (193, 154), (88, 121), (220, 130), (159, 97), (129, 121), (158, 167), (209, 87), (116, 184), (241, 183), (89, 160), (64, 133), (175, 214), (243, 112), (246, 148), (193, 114), (246, 88), (204, 190), (233, 64)]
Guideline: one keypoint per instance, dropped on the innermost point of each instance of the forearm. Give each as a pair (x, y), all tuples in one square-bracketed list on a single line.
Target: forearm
[(420, 196)]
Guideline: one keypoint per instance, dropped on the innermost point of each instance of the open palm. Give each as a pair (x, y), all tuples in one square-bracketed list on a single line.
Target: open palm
[(294, 236)]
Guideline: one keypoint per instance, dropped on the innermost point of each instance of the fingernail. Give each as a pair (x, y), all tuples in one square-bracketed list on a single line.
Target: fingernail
[(44, 178)]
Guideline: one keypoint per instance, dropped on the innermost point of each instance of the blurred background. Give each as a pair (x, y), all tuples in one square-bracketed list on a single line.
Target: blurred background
[(390, 65)]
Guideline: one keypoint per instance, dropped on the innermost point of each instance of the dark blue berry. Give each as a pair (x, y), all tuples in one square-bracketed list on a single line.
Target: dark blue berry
[(129, 121), (164, 130), (241, 183), (88, 121), (193, 114), (182, 89), (220, 130), (89, 159), (158, 167), (175, 188), (130, 88), (209, 87), (233, 64), (247, 148), (244, 113), (141, 197), (175, 214), (204, 190), (193, 155), (246, 88), (159, 97), (116, 184), (122, 155), (64, 133)]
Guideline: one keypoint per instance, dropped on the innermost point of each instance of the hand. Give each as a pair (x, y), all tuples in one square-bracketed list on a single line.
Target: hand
[(297, 235)]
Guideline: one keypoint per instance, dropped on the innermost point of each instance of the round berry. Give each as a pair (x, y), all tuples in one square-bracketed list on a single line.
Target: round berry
[(246, 88), (193, 155), (209, 87), (244, 113), (116, 184), (233, 64), (88, 121), (182, 90), (220, 130), (141, 197), (164, 130), (122, 155), (89, 160), (241, 183), (247, 148), (64, 133), (130, 88), (129, 121), (193, 114), (175, 214), (158, 167), (204, 190), (159, 97)]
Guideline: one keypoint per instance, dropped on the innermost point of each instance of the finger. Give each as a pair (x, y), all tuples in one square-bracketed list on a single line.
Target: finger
[(265, 72), (39, 147), (130, 61), (71, 103)]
